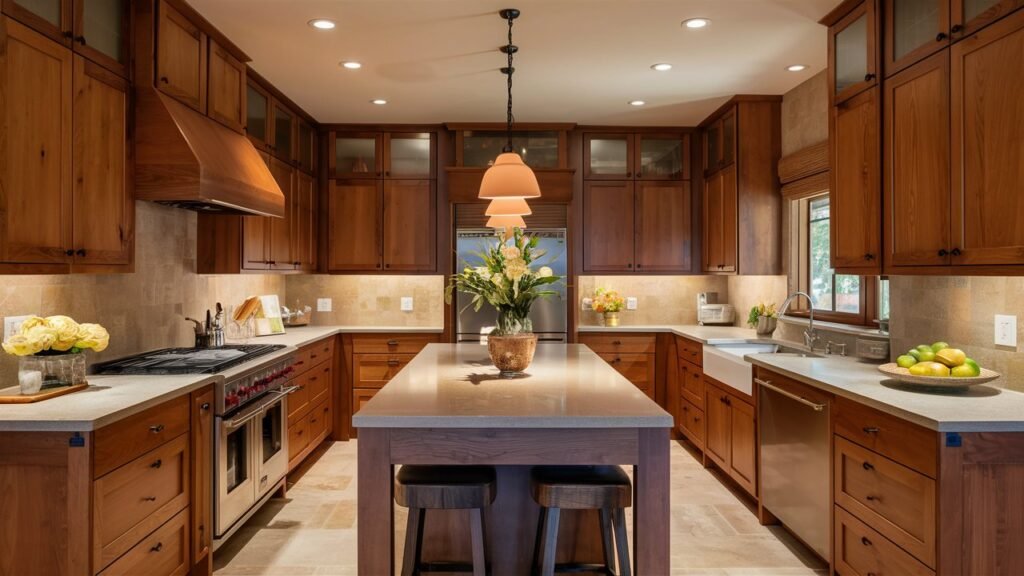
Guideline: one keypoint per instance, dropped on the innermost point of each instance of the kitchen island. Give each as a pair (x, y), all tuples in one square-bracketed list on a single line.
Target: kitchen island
[(449, 406)]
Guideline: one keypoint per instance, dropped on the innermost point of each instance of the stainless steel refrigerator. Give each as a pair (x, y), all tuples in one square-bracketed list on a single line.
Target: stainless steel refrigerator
[(548, 314)]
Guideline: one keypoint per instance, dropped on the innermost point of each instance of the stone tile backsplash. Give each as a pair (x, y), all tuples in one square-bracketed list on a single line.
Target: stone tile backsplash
[(371, 300)]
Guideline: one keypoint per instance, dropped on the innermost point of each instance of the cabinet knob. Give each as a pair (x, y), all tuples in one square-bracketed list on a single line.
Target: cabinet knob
[(387, 173), (156, 428), (869, 256), (867, 466), (80, 252), (159, 462), (871, 498), (869, 77), (149, 499), (870, 430), (164, 80), (205, 406), (629, 265), (955, 252), (392, 342), (159, 546), (865, 541), (943, 252), (69, 252), (387, 265), (957, 28), (639, 266), (940, 36), (80, 40), (67, 34)]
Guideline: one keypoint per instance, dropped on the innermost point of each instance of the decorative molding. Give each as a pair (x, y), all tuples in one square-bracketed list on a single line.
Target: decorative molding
[(803, 163)]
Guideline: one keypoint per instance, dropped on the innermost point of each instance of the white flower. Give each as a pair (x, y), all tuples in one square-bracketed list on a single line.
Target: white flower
[(545, 272), (482, 271), (515, 269), (510, 252), (497, 279)]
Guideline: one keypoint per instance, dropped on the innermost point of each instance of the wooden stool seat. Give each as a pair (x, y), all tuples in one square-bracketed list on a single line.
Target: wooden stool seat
[(445, 487), (581, 487)]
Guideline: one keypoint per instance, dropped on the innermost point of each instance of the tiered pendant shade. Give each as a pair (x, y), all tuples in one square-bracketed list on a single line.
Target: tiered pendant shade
[(506, 222), (509, 177), (508, 207)]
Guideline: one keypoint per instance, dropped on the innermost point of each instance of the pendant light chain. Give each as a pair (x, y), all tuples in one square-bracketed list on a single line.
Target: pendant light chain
[(510, 49)]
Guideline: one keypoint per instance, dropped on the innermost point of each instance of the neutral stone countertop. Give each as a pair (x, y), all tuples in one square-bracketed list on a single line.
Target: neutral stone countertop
[(455, 386), (112, 398), (702, 334), (975, 409)]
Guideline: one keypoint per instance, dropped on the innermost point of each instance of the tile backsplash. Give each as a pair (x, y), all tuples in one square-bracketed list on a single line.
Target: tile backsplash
[(371, 300), (660, 299)]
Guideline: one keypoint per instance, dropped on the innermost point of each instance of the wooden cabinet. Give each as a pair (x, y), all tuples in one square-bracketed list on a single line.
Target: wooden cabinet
[(283, 141), (731, 436), (410, 220), (742, 207), (305, 147), (355, 225), (202, 480), (409, 155), (371, 361), (632, 355), (853, 49), (399, 155), (257, 115), (304, 222), (969, 16), (181, 58), (640, 156), (311, 405), (720, 143), (226, 98), (855, 192), (356, 155), (859, 551), (279, 236), (608, 226), (914, 29), (689, 413), (164, 552)]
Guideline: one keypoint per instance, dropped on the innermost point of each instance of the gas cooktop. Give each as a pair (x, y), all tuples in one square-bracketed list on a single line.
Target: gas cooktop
[(187, 360)]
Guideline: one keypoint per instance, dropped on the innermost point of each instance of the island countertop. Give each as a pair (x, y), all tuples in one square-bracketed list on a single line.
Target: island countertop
[(456, 386)]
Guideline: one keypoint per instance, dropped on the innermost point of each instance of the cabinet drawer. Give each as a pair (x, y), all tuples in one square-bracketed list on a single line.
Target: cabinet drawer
[(318, 382), (690, 350), (860, 551), (893, 499), (376, 370), (906, 443), (691, 423), (394, 344), (298, 436), (637, 368), (312, 355), (318, 418), (126, 440), (162, 553), (135, 499), (691, 384), (299, 400), (619, 343)]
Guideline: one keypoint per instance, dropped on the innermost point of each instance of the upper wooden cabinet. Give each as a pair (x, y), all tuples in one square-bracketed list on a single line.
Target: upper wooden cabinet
[(742, 205), (410, 221), (409, 155), (305, 147), (855, 188), (383, 155), (969, 16), (226, 98), (181, 65), (609, 156), (608, 226), (720, 143), (257, 115), (284, 132), (275, 126), (97, 30), (356, 155), (853, 49), (305, 222)]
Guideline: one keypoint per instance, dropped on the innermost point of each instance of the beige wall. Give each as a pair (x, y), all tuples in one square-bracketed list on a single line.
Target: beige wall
[(660, 299), (371, 300), (745, 292), (959, 310), (805, 114), (143, 310)]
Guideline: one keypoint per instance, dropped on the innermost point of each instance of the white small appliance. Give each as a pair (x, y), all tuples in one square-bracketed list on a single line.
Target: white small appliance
[(716, 314)]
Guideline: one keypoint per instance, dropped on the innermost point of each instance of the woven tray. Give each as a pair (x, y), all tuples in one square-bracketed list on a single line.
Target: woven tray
[(904, 375)]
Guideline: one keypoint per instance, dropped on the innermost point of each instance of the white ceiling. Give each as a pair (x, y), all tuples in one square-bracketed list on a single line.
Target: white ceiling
[(579, 60)]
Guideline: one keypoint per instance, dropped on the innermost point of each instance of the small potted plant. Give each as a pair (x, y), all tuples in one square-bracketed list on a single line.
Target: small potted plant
[(50, 351), (763, 318), (608, 303)]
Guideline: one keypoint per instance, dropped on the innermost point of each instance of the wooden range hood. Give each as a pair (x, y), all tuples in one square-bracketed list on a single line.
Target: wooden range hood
[(188, 160)]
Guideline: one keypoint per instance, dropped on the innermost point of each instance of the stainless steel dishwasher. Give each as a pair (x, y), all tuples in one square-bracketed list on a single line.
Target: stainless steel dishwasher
[(796, 460)]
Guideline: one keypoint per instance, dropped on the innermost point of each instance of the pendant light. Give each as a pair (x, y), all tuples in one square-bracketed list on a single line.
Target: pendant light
[(508, 207), (509, 176)]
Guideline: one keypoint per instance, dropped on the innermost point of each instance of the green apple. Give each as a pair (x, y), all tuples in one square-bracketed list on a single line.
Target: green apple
[(906, 361)]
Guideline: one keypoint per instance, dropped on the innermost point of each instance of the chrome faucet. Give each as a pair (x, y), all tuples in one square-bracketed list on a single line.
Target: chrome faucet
[(810, 335)]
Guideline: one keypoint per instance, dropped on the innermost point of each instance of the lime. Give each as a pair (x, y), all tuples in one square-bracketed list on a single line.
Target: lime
[(915, 354), (939, 346), (906, 361), (965, 371), (926, 355), (951, 357)]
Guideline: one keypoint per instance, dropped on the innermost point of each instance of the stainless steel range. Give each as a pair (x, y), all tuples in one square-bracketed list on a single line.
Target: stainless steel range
[(251, 437)]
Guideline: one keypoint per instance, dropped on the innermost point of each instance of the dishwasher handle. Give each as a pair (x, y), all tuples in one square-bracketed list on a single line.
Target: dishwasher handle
[(768, 384)]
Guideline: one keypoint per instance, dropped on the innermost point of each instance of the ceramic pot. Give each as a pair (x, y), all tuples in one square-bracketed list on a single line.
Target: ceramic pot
[(37, 373), (512, 354), (766, 325), (611, 319)]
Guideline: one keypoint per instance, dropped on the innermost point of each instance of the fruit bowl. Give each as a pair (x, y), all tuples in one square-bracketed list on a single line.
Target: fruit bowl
[(904, 375)]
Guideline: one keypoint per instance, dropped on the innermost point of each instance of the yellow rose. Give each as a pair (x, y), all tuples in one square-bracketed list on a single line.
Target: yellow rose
[(19, 346), (42, 337), (67, 332), (92, 336), (31, 323)]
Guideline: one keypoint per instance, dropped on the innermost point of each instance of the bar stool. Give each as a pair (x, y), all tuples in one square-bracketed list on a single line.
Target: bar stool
[(422, 488), (603, 488)]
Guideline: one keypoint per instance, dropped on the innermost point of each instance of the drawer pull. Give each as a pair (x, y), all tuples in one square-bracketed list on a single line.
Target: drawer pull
[(617, 360), (299, 363), (392, 342), (205, 406), (864, 540), (874, 499), (159, 462), (312, 356), (312, 378), (149, 499), (159, 546), (871, 430), (616, 342), (393, 362), (867, 466), (156, 428)]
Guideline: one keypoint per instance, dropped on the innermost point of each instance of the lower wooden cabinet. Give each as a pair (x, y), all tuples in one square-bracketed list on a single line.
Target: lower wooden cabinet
[(203, 466), (311, 405), (691, 423), (165, 552), (860, 551), (637, 368), (632, 355), (731, 435)]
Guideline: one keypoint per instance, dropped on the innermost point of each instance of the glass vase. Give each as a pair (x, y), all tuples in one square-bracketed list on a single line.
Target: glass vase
[(511, 322), (37, 373)]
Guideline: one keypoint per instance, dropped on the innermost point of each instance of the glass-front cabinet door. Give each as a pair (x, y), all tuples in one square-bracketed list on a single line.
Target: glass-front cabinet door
[(306, 152), (539, 149), (662, 156), (409, 155), (51, 17), (853, 52), (257, 115), (914, 29), (101, 32), (284, 133), (967, 16), (608, 156), (356, 155)]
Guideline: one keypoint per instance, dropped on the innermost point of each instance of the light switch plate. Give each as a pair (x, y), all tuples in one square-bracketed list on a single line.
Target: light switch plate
[(587, 304), (324, 304), (1006, 330), (12, 323), (631, 303), (406, 303)]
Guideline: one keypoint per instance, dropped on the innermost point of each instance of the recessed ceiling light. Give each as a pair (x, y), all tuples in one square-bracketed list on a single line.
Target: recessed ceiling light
[(694, 23), (637, 102), (352, 65), (322, 24), (378, 101), (662, 67), (796, 68)]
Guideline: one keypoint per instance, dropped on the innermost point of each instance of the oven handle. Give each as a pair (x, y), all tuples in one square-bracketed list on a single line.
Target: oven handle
[(278, 395), (257, 410)]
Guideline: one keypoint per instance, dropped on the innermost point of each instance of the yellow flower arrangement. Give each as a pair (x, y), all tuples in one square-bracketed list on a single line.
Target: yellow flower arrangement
[(56, 335), (605, 300)]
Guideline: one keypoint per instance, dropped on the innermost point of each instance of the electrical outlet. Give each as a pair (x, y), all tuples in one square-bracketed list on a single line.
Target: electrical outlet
[(631, 303), (587, 304), (324, 304), (406, 303), (12, 324), (1006, 331)]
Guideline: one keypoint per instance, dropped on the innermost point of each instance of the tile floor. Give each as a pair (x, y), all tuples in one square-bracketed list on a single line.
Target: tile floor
[(313, 530)]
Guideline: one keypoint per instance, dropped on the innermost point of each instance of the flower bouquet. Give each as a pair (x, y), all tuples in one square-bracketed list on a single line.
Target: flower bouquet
[(511, 281), (763, 318), (608, 303), (50, 351)]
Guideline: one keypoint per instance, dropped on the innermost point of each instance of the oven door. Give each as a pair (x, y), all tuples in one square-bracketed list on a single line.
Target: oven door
[(272, 445), (236, 470)]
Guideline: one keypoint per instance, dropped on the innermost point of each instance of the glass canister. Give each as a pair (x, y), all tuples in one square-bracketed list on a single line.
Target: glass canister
[(36, 373)]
